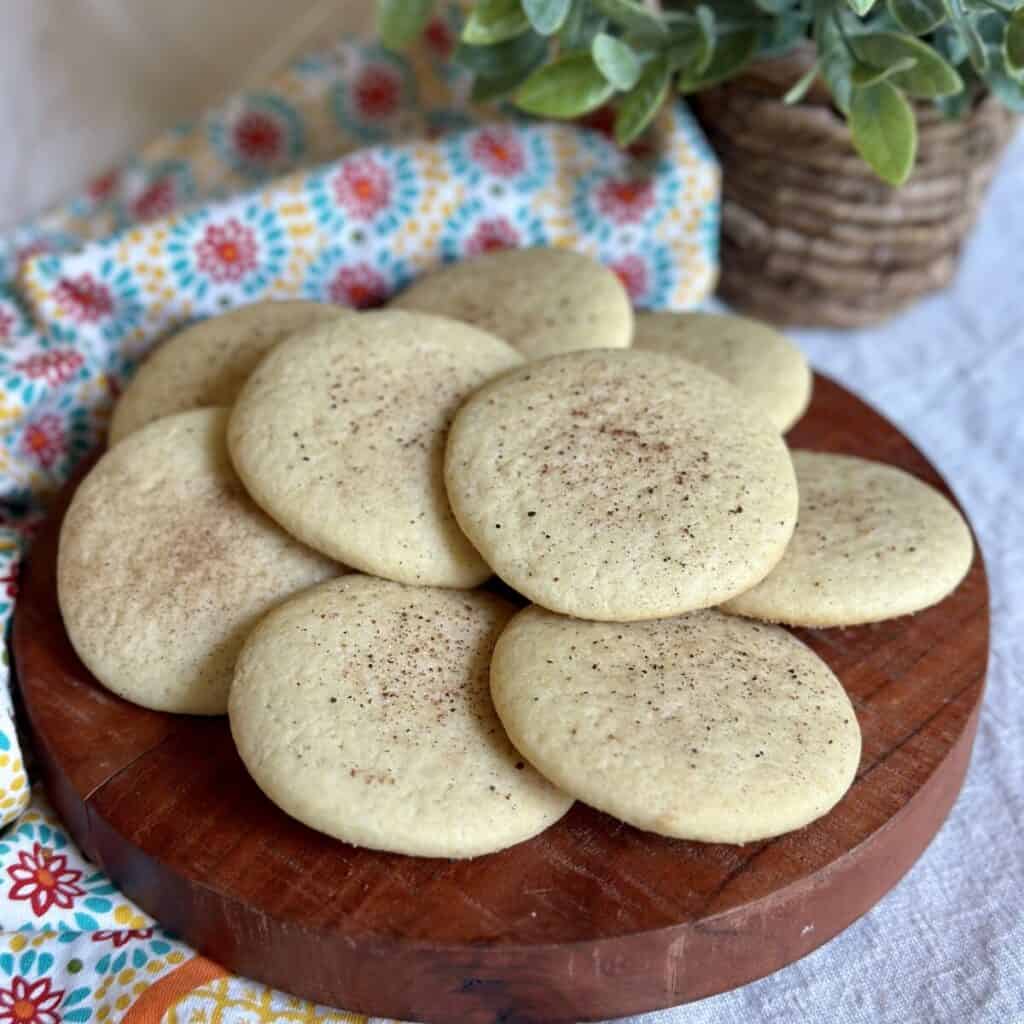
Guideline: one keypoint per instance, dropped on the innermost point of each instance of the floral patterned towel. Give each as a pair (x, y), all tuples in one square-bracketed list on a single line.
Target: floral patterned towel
[(353, 171)]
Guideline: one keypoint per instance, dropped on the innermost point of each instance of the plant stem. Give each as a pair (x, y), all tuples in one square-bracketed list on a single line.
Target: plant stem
[(844, 35)]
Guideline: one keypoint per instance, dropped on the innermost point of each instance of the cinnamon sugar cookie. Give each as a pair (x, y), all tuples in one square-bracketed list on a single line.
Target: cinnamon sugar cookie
[(873, 542), (703, 727), (363, 709), (620, 485), (339, 434), (541, 301), (165, 564), (207, 363), (756, 359)]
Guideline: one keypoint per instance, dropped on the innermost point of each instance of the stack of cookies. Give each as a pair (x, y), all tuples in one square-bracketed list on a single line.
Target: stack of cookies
[(452, 565)]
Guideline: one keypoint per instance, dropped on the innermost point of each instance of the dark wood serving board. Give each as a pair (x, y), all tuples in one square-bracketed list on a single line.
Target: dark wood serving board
[(593, 919)]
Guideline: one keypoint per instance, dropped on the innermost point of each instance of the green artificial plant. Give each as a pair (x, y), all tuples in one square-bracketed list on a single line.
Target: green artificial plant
[(565, 58)]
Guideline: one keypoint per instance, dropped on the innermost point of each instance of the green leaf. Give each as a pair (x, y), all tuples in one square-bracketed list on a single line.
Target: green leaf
[(773, 6), (1007, 88), (494, 21), (632, 15), (730, 56), (616, 61), (688, 53), (706, 23), (399, 22), (991, 27), (835, 59), (500, 69), (640, 105), (781, 34), (969, 35), (867, 74), (582, 24), (918, 17), (798, 90), (950, 44), (692, 42), (883, 130), (977, 52), (487, 90), (569, 87), (1006, 6), (930, 75), (519, 55), (547, 16), (1009, 91), (954, 107), (726, 10), (861, 7), (1013, 45)]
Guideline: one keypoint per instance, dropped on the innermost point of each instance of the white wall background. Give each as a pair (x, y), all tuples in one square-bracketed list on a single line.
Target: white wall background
[(82, 82)]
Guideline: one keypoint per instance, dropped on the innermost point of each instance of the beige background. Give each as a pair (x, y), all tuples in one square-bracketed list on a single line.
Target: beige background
[(82, 82)]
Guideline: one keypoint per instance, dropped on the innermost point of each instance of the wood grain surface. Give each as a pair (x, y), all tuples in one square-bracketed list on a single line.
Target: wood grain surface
[(591, 920)]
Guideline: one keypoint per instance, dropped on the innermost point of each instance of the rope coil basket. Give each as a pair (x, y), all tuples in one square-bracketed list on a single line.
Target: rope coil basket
[(810, 236)]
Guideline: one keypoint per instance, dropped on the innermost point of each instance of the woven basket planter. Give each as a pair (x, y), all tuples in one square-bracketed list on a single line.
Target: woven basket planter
[(809, 235)]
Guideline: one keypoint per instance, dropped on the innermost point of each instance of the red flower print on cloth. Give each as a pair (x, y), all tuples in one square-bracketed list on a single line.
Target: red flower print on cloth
[(84, 298), (10, 581), (376, 91), (43, 877), (258, 137), (626, 201), (123, 937), (6, 324), (632, 272), (30, 1003), (42, 441), (439, 37), (27, 252), (359, 286), (601, 120), (363, 187), (227, 252), (102, 188), (643, 149), (156, 200), (491, 235), (499, 151), (54, 367)]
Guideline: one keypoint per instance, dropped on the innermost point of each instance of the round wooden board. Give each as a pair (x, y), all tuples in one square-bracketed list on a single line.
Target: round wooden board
[(593, 919)]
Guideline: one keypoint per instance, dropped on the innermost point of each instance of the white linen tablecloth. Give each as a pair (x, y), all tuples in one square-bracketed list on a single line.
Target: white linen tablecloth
[(946, 946)]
